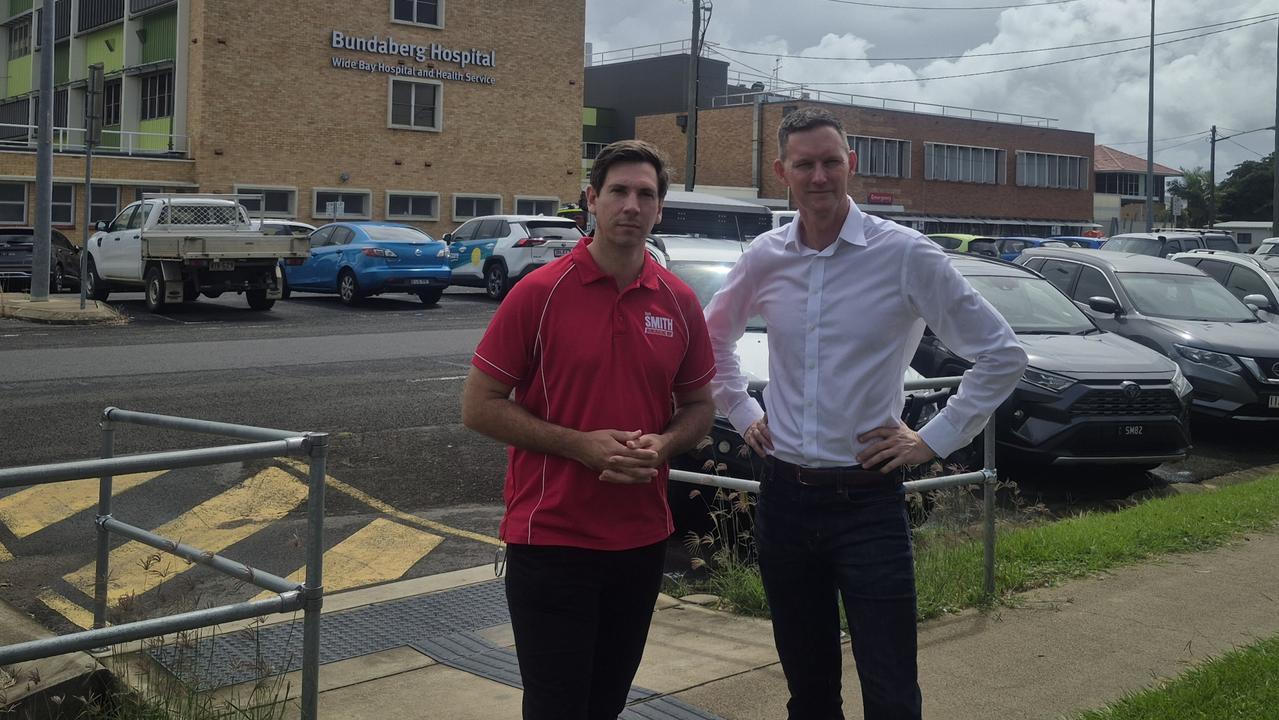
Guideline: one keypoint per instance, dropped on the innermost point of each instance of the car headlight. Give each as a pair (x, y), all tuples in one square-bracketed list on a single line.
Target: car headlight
[(1047, 380), (1180, 384), (1220, 361)]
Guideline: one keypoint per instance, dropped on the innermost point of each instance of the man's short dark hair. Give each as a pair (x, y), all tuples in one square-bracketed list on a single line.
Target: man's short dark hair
[(628, 151), (809, 118)]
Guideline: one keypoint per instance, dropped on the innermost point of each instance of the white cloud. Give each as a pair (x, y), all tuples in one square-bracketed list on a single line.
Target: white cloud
[(1226, 79)]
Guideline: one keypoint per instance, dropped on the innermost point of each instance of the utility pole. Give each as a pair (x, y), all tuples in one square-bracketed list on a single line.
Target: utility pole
[(1212, 177), (690, 126), (44, 159), (1150, 130), (93, 107), (1274, 201)]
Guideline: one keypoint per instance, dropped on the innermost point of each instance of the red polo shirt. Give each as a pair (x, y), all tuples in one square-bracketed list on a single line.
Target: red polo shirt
[(583, 355)]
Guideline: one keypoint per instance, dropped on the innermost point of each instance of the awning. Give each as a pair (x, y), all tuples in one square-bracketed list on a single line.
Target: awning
[(995, 221)]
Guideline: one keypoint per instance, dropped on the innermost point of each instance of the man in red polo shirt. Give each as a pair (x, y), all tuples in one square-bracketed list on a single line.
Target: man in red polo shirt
[(609, 360)]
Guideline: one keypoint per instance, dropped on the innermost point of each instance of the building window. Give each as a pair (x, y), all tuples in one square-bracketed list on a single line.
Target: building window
[(466, 207), (13, 203), (93, 13), (418, 12), (157, 95), (1042, 170), (415, 104), (20, 39), (275, 201), (536, 206), (591, 150), (111, 103), (962, 163), (881, 157), (105, 203), (355, 203), (412, 205), (1118, 184), (63, 204)]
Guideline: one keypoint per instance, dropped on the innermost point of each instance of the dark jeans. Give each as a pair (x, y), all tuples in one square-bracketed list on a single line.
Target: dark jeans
[(815, 545), (580, 619)]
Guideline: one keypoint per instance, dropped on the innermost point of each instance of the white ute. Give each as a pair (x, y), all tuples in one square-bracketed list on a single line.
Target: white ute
[(177, 247)]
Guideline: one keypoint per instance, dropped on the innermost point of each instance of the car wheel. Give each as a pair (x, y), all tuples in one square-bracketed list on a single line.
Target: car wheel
[(431, 296), (348, 288), (496, 282), (94, 287), (258, 300), (155, 289), (211, 294), (57, 283)]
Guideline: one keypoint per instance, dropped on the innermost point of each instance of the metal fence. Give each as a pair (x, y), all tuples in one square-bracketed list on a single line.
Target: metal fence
[(987, 476), (266, 443), (23, 136)]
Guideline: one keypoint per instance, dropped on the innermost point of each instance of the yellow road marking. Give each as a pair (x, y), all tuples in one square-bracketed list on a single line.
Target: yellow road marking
[(380, 551), (32, 510), (67, 609), (213, 526), (388, 510), (5, 555)]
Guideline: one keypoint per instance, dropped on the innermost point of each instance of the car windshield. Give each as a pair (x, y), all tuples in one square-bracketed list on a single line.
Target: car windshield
[(387, 233), (1140, 246), (553, 230), (1032, 306), (1183, 297), (706, 278)]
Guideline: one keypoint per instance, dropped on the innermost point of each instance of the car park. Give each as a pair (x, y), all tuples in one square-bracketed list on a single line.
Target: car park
[(957, 241), (1079, 241), (1087, 397), (1163, 244), (17, 253), (1252, 279), (495, 251), (359, 259), (1228, 354), (1009, 248)]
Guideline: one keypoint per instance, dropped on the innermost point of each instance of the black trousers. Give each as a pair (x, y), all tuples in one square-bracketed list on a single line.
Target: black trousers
[(580, 618)]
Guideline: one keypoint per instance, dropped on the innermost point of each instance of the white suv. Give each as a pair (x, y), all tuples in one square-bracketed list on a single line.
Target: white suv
[(493, 252), (1254, 279), (1269, 246)]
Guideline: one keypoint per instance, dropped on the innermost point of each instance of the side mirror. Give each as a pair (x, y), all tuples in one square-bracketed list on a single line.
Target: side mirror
[(1105, 305), (448, 238), (1258, 302), (100, 225)]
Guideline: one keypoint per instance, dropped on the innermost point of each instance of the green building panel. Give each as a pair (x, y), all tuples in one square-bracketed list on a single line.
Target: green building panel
[(61, 62), (161, 33), (19, 76), (18, 6), (155, 134), (110, 137), (105, 46)]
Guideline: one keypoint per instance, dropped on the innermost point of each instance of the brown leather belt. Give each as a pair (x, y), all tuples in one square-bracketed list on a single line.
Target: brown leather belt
[(829, 477)]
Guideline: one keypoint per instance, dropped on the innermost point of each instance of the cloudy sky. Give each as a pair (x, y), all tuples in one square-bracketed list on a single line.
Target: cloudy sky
[(1226, 78)]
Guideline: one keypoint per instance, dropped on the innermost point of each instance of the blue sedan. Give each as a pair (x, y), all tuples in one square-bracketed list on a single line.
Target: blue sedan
[(359, 259)]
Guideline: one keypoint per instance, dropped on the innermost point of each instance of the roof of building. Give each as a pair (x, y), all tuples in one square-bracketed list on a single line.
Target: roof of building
[(1108, 159)]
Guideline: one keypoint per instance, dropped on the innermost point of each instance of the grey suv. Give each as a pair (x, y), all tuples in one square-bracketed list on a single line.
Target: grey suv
[(1229, 354), (1163, 244)]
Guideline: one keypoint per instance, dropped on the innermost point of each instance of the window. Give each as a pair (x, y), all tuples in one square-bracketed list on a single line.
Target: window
[(111, 103), (1215, 269), (536, 206), (412, 206), (20, 39), (469, 206), (961, 163), (342, 235), (63, 204), (93, 13), (415, 104), (275, 202), (466, 231), (320, 237), (418, 12), (1245, 282), (881, 157), (492, 228), (157, 95), (13, 203), (104, 204), (591, 150), (1092, 283), (1069, 172), (1061, 274), (355, 203)]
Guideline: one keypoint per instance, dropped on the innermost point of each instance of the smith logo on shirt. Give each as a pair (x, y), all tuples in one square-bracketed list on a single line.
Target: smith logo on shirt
[(658, 325)]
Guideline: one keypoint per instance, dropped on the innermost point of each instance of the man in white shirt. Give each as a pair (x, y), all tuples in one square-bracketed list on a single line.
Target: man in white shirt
[(846, 297)]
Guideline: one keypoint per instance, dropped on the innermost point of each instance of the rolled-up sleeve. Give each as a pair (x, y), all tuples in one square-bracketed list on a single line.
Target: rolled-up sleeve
[(726, 317), (973, 329)]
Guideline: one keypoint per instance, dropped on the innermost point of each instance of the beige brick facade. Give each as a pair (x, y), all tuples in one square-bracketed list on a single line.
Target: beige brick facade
[(266, 107)]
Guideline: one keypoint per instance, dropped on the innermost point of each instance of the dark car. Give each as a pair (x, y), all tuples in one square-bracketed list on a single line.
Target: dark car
[(1163, 244), (17, 248), (1229, 354), (1088, 396)]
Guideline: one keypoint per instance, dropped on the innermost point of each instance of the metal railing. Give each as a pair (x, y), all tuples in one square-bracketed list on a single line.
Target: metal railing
[(71, 139), (988, 476), (266, 443), (639, 52), (800, 92)]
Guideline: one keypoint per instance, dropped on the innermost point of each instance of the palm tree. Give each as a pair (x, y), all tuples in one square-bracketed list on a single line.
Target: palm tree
[(1194, 187)]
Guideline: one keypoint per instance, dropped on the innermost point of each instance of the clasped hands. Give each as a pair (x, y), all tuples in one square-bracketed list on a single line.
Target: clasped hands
[(623, 457)]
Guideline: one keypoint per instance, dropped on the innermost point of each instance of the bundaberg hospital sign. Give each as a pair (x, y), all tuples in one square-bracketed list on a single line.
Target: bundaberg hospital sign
[(433, 53)]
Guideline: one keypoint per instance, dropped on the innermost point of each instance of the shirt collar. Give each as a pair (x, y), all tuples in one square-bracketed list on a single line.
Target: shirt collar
[(853, 231), (588, 271)]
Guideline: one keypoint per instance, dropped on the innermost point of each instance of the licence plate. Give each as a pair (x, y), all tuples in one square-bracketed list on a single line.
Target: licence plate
[(419, 281), (222, 265), (1126, 431), (1274, 402), (560, 251)]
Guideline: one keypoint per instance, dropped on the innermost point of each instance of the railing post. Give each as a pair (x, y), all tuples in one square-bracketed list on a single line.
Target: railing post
[(992, 477), (313, 590), (101, 568)]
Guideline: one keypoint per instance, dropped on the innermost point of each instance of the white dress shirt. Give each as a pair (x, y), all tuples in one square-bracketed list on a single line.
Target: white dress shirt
[(843, 325)]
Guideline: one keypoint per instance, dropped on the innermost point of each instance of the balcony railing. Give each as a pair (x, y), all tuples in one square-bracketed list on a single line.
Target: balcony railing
[(114, 142)]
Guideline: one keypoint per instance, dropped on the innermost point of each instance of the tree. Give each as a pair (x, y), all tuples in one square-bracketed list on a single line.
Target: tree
[(1247, 193), (1192, 187)]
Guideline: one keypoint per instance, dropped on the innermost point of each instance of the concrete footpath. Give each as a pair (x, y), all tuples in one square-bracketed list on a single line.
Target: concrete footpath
[(60, 309), (1064, 649)]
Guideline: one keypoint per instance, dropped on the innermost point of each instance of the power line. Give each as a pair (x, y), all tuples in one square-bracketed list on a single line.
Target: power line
[(1134, 142), (991, 54), (946, 7), (1029, 67), (1187, 142), (1237, 133), (1254, 152)]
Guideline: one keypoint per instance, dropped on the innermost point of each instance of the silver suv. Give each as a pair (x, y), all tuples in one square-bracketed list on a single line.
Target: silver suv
[(493, 252), (1251, 278), (1163, 244)]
